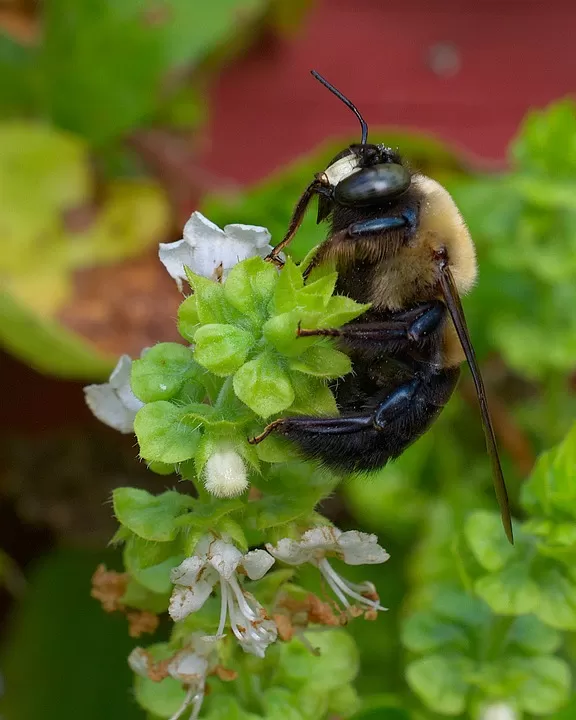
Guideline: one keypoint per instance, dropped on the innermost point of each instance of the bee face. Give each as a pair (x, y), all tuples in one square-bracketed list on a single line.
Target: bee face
[(366, 175)]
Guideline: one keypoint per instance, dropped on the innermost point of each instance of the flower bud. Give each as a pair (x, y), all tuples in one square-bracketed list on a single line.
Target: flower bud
[(225, 473)]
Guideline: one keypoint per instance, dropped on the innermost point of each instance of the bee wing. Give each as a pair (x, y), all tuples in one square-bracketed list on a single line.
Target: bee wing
[(452, 299)]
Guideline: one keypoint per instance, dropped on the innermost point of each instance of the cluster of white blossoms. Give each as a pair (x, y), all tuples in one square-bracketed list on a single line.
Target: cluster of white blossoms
[(217, 562), (190, 666)]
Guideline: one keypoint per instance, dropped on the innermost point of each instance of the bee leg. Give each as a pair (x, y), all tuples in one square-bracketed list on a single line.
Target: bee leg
[(316, 186), (391, 335), (314, 426)]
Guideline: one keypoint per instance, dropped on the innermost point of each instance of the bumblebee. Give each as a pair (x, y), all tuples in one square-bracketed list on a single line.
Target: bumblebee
[(399, 243)]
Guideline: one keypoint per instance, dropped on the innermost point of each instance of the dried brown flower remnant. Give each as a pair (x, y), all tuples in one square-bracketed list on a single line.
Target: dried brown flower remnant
[(140, 622), (225, 674), (108, 587)]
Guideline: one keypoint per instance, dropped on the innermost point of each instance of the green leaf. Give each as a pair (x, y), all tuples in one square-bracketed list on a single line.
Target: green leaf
[(557, 596), (281, 332), (533, 636), (441, 682), (425, 632), (312, 396), (550, 490), (545, 136), (149, 563), (510, 591), (483, 532), (341, 310), (249, 287), (163, 433), (188, 320), (336, 665), (545, 684), (162, 371), (134, 46), (211, 305), (140, 597), (279, 704), (287, 287), (151, 517), (264, 386), (222, 349), (322, 362), (162, 699)]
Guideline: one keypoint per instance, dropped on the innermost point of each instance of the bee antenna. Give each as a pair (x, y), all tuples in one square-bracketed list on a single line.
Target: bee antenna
[(346, 102)]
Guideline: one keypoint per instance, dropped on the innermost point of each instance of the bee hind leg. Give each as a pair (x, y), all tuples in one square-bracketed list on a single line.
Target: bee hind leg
[(391, 335), (369, 439)]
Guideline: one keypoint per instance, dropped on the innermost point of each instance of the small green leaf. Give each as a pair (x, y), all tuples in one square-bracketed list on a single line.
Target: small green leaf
[(289, 283), (264, 386), (341, 310), (281, 332), (222, 349), (188, 320), (312, 396), (162, 699), (163, 433), (510, 591), (557, 597), (249, 287), (483, 531), (322, 362), (546, 683), (337, 663), (424, 632), (551, 490), (211, 304), (441, 682), (321, 288), (162, 371), (151, 517), (141, 598), (533, 636)]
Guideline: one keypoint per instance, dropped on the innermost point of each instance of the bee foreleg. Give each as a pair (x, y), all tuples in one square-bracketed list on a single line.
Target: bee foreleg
[(315, 187)]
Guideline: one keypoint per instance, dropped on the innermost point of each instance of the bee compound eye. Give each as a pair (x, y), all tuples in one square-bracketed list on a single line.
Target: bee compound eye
[(372, 185)]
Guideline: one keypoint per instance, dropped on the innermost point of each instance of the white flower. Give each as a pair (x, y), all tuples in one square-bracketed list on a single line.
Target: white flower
[(209, 251), (498, 711), (216, 562), (225, 473), (353, 547), (114, 403), (190, 665)]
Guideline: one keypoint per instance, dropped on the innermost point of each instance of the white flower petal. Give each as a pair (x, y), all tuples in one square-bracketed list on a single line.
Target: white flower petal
[(224, 558), (290, 552), (105, 404), (359, 548), (321, 537), (199, 230), (187, 572), (188, 667), (139, 661), (186, 600), (256, 563), (254, 235), (498, 711), (174, 256)]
